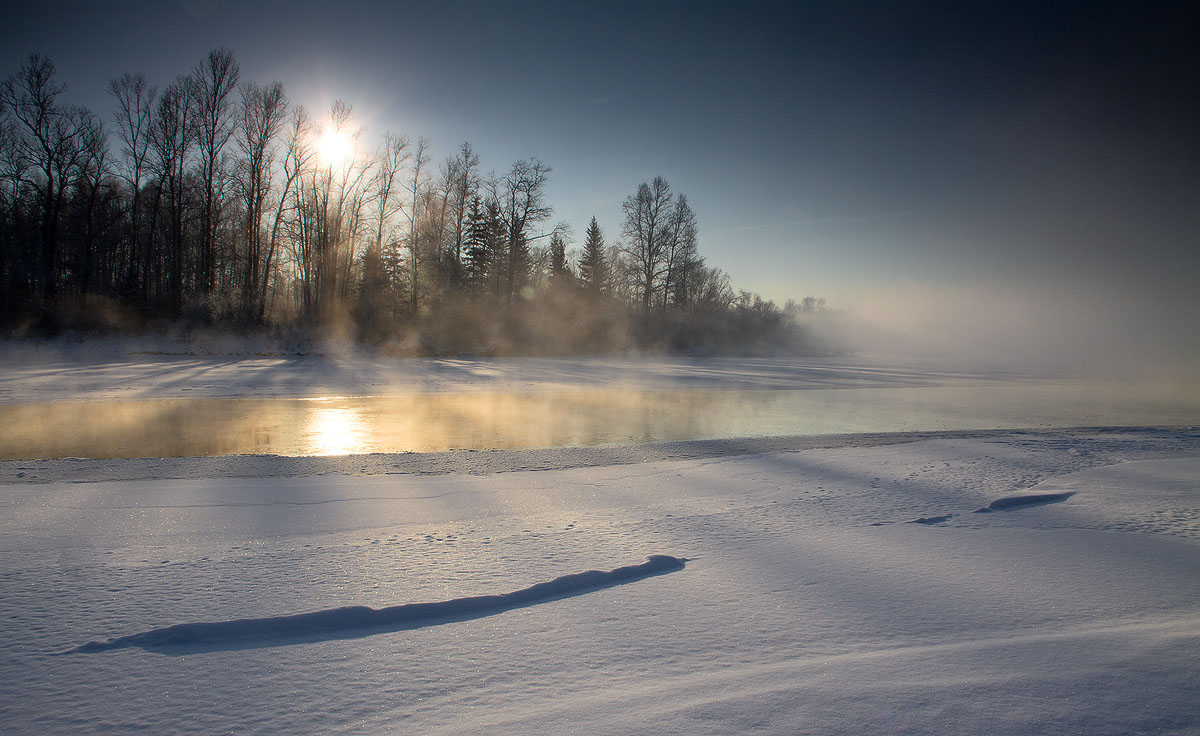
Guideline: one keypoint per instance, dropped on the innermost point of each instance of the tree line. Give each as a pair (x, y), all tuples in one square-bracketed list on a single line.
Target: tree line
[(216, 201)]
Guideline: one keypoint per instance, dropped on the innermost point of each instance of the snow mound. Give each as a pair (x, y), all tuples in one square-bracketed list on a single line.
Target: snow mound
[(356, 621), (1023, 501)]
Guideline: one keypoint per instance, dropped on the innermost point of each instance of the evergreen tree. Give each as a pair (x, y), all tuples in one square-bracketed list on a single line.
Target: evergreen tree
[(558, 259), (593, 265), (497, 249), (476, 262), (485, 248)]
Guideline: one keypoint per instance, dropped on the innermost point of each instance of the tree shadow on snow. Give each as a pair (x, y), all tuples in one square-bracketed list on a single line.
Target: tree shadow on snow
[(351, 622)]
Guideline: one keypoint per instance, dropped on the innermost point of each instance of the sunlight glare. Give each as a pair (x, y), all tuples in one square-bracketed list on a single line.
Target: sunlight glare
[(336, 431), (334, 147)]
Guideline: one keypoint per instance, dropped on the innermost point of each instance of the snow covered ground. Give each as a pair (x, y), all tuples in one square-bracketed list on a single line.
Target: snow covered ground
[(784, 585)]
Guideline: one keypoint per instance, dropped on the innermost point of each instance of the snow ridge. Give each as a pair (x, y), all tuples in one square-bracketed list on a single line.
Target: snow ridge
[(355, 621)]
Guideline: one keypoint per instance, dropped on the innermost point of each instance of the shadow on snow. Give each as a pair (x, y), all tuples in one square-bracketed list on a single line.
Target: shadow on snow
[(359, 621)]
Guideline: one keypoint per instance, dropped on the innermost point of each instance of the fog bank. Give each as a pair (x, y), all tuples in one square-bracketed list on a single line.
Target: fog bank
[(1085, 331)]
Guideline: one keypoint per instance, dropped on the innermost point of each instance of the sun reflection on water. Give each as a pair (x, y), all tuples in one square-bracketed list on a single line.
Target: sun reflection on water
[(439, 422), (337, 430)]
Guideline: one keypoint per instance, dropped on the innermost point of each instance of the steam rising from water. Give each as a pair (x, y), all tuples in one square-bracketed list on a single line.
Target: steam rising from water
[(512, 420)]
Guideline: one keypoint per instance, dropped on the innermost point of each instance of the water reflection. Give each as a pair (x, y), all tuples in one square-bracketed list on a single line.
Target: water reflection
[(340, 425), (336, 430)]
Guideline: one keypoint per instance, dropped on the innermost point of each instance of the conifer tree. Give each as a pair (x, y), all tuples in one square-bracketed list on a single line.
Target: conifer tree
[(476, 261), (485, 248), (558, 258), (593, 265)]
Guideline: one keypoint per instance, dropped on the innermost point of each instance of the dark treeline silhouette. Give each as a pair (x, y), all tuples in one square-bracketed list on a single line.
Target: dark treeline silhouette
[(215, 201)]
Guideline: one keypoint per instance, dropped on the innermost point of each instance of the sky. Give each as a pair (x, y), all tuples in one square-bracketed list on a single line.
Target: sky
[(914, 161)]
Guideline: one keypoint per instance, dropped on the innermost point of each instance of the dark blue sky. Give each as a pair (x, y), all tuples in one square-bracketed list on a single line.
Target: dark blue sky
[(834, 148)]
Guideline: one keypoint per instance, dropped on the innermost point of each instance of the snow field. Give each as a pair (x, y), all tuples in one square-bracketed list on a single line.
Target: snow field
[(807, 604)]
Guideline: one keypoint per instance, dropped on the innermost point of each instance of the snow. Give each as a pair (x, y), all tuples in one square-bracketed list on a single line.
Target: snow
[(754, 585)]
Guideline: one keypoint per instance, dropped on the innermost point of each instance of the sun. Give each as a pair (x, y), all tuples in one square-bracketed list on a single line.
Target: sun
[(334, 147)]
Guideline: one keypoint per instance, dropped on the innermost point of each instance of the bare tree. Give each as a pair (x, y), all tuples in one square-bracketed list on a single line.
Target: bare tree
[(297, 159), (711, 293), (415, 189), (171, 139), (524, 204), (438, 238), (647, 230), (46, 137), (464, 183), (135, 102), (681, 255), (93, 181), (390, 160), (214, 80), (263, 113), (329, 220), (15, 279)]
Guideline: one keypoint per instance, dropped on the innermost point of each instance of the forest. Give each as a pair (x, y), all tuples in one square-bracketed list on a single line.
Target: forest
[(215, 202)]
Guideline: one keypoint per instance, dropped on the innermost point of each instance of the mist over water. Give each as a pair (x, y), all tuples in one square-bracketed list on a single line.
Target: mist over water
[(515, 420), (1064, 330)]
